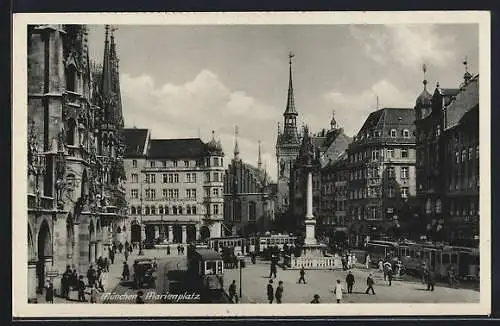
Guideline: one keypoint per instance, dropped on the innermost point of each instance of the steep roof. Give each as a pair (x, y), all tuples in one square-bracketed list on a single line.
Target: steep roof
[(465, 100), (177, 148), (135, 141)]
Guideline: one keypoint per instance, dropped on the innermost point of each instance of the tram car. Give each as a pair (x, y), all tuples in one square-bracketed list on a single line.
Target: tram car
[(206, 275), (252, 244), (441, 258), (238, 243), (267, 242)]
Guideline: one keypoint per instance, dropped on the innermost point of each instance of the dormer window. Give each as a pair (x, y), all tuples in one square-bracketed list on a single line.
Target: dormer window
[(393, 133)]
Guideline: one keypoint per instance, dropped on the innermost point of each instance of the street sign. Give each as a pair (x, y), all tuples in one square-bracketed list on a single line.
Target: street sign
[(52, 273)]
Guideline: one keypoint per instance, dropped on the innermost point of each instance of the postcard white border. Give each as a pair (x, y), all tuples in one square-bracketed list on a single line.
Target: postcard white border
[(21, 308)]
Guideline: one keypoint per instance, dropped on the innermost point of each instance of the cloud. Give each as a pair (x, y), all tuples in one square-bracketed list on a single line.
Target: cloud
[(351, 109), (407, 45), (197, 107)]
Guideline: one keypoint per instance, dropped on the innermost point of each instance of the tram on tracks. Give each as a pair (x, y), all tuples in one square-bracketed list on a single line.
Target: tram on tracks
[(439, 257), (238, 243), (206, 275)]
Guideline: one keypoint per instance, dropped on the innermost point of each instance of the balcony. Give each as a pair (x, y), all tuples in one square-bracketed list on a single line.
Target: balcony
[(72, 99), (46, 203)]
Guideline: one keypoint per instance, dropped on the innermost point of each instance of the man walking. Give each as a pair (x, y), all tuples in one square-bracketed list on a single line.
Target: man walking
[(279, 292), (270, 291), (126, 271), (302, 273), (232, 292), (350, 282), (273, 270), (389, 274), (369, 283), (81, 290), (112, 256), (431, 280), (66, 282)]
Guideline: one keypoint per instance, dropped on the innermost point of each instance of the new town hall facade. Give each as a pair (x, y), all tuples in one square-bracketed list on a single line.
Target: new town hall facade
[(76, 203)]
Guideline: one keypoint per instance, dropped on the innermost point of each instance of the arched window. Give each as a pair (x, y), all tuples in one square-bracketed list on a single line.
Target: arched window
[(166, 210), (160, 209), (132, 210), (188, 210), (147, 211), (71, 78), (193, 210), (252, 212), (153, 210), (174, 210), (138, 210), (179, 209)]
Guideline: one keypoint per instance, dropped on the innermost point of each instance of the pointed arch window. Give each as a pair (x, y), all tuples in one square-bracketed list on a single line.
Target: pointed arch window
[(71, 78), (133, 210), (71, 132)]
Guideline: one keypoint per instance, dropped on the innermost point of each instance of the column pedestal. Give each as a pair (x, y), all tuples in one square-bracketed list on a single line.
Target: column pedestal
[(170, 234), (184, 233), (32, 282)]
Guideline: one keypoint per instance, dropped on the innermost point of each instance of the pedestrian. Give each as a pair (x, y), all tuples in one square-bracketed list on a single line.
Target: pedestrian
[(380, 265), (387, 266), (369, 283), (138, 298), (155, 264), (338, 291), (270, 291), (302, 273), (120, 247), (100, 263), (91, 275), (431, 280), (74, 279), (368, 261), (252, 255), (127, 246), (93, 294), (316, 299), (130, 249), (103, 280), (81, 290), (126, 271), (168, 250), (49, 292), (273, 270), (112, 256), (349, 261), (106, 264), (279, 292), (66, 282), (343, 259), (126, 255), (232, 293), (389, 274), (178, 249), (425, 272), (350, 282)]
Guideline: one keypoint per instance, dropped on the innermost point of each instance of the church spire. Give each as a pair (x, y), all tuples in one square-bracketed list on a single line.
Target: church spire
[(115, 78), (290, 103), (236, 148), (333, 122), (106, 81), (259, 161)]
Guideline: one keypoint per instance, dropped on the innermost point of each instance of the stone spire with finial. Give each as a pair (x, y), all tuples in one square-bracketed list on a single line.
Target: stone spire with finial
[(236, 148), (425, 98), (259, 160), (333, 122), (467, 74)]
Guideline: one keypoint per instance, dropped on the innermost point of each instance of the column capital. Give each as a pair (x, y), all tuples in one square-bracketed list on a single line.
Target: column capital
[(184, 227), (170, 226)]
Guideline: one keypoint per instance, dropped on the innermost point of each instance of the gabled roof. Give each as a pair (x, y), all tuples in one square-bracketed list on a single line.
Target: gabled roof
[(177, 148), (465, 100), (135, 141)]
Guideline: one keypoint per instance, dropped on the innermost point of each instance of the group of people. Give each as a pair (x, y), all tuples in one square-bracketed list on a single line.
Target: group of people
[(347, 260), (180, 249), (275, 295)]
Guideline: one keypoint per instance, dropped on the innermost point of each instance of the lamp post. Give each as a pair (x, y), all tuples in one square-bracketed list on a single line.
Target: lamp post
[(241, 285)]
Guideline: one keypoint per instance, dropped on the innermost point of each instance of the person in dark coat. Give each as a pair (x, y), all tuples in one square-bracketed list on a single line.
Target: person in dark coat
[(369, 283), (431, 280), (74, 279), (252, 255), (106, 264), (91, 275), (49, 292), (112, 256), (302, 273), (273, 270), (350, 282), (100, 263), (270, 291), (168, 250), (316, 299), (66, 282), (279, 292), (126, 271), (390, 273), (81, 290), (120, 247), (232, 292)]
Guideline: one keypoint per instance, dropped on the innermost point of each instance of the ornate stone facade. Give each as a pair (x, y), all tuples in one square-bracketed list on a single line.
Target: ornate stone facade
[(75, 172)]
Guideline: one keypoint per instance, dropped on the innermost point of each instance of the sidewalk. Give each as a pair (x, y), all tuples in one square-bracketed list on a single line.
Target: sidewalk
[(114, 278)]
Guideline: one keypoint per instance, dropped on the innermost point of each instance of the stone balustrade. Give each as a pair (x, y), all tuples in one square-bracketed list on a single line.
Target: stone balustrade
[(327, 262)]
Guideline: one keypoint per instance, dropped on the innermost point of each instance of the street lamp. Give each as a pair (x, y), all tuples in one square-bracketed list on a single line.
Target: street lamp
[(140, 226), (241, 285)]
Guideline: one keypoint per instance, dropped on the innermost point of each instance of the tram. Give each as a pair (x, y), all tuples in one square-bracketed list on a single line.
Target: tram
[(441, 258), (275, 240), (206, 275), (238, 243)]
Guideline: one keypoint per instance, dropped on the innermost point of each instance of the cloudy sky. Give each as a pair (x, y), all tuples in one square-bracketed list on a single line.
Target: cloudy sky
[(185, 81)]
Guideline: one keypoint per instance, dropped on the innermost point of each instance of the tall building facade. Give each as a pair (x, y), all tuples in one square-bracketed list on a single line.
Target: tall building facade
[(287, 147), (447, 138), (249, 197), (382, 174), (175, 188), (76, 197)]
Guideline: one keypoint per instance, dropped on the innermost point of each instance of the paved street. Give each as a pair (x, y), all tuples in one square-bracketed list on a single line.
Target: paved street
[(255, 279)]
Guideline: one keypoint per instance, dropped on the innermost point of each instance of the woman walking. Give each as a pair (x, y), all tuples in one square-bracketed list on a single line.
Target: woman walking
[(338, 291)]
